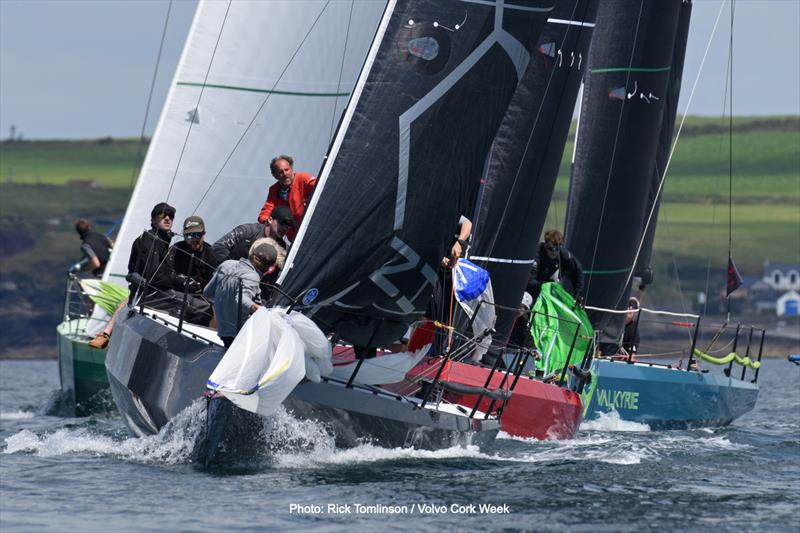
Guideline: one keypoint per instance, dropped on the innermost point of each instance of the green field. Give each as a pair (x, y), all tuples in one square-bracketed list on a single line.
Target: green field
[(112, 163), (693, 224)]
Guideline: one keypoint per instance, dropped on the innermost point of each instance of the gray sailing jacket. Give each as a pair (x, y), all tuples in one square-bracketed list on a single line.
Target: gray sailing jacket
[(223, 290), (236, 243)]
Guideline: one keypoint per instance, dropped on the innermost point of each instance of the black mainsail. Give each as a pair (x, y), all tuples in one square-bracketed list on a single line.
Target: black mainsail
[(408, 157), (643, 268), (522, 170), (622, 112)]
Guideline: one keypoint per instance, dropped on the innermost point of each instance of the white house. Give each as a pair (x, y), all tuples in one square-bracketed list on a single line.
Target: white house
[(788, 304), (782, 276)]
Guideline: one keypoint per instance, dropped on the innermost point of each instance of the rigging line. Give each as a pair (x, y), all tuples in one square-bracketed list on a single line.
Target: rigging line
[(716, 179), (138, 161), (535, 123), (611, 166), (199, 98), (730, 158), (341, 70), (678, 281), (715, 188), (263, 103), (675, 143), (730, 142)]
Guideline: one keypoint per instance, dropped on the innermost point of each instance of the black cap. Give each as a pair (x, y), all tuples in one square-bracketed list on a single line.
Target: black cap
[(163, 208), (283, 214)]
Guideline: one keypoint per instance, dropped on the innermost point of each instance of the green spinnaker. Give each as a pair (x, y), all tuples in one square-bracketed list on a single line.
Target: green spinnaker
[(554, 323), (106, 295)]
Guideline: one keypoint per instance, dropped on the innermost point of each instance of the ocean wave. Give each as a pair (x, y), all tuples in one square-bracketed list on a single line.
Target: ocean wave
[(17, 415), (611, 421), (173, 444)]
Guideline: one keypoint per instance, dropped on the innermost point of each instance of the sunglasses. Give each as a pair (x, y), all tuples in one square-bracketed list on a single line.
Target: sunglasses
[(193, 236), (551, 248), (162, 216), (286, 223)]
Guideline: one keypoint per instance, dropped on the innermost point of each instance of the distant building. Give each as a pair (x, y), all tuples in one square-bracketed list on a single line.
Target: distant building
[(777, 291), (788, 304), (782, 276)]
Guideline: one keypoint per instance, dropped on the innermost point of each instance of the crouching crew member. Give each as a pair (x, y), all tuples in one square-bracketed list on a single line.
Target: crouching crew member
[(223, 289)]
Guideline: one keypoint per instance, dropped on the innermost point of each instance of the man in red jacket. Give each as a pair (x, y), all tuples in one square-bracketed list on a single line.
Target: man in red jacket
[(292, 189)]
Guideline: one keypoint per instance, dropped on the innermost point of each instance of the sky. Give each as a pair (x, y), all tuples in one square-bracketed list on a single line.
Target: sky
[(83, 68)]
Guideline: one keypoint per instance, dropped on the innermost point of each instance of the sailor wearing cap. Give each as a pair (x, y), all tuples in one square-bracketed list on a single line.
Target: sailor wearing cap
[(237, 242), (147, 264), (192, 263), (223, 289)]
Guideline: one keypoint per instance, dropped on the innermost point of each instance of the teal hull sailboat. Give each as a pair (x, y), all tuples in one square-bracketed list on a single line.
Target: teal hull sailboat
[(666, 398), (623, 146)]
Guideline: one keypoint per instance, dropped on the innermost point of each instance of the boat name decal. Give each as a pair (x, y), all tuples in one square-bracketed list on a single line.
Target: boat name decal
[(618, 399)]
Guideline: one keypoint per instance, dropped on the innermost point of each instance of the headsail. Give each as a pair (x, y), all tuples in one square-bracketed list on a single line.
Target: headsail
[(407, 160), (664, 143), (526, 155), (255, 79), (622, 110)]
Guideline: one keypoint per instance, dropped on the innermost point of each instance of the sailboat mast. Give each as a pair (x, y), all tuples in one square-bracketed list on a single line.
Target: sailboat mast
[(625, 91)]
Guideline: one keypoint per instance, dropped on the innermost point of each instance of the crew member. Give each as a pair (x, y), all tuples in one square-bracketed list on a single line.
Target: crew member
[(556, 263), (293, 189), (192, 263), (223, 289), (95, 247)]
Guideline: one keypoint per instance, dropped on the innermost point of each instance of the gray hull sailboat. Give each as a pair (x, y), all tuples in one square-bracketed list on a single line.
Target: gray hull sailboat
[(407, 157)]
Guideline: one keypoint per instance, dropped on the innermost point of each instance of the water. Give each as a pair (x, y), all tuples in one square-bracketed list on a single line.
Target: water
[(88, 474)]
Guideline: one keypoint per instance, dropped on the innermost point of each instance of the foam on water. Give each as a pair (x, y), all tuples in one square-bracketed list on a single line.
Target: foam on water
[(611, 421), (172, 445), (368, 453), (298, 443), (17, 415)]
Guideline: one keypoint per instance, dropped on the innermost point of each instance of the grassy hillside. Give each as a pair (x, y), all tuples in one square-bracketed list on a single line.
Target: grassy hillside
[(39, 202), (693, 223), (110, 162)]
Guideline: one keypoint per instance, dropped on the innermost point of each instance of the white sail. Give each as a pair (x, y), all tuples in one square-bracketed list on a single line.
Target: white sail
[(268, 358), (256, 79)]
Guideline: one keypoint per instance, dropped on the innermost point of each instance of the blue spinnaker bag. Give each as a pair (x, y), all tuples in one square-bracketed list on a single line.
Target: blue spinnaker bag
[(470, 280)]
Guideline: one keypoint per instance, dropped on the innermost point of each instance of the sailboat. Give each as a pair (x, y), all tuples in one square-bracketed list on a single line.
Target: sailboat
[(622, 146), (81, 368), (407, 156), (512, 203), (231, 80)]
